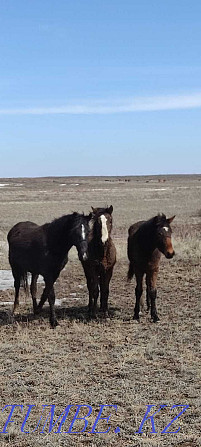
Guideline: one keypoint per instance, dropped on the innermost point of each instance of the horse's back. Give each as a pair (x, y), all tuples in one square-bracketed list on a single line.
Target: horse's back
[(20, 230), (133, 228), (26, 246)]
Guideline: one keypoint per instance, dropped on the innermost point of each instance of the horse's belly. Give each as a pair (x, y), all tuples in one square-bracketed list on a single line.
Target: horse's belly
[(25, 259)]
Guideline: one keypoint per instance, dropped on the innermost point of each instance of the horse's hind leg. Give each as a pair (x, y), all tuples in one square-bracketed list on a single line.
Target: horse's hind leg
[(152, 292), (138, 294), (17, 278), (33, 290), (148, 299)]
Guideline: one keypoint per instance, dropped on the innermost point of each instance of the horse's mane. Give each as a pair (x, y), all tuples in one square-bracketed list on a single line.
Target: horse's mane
[(61, 229), (157, 220), (65, 221)]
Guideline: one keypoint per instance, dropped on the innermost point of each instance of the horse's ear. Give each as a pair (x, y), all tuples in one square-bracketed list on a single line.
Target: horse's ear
[(170, 219), (94, 210), (156, 219), (160, 219), (110, 209)]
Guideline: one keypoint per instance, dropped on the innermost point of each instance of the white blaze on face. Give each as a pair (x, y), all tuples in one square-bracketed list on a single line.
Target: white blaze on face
[(166, 228), (83, 232), (104, 237)]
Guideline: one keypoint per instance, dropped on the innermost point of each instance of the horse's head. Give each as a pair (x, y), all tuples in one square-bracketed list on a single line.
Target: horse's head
[(81, 232), (103, 222), (163, 235)]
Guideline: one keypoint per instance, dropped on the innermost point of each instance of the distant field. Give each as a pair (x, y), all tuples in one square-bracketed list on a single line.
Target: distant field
[(113, 361)]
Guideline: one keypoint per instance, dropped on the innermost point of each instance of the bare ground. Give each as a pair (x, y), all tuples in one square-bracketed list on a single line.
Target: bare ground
[(114, 361)]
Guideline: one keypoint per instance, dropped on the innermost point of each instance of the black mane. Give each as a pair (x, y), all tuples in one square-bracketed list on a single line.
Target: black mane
[(59, 228), (158, 220)]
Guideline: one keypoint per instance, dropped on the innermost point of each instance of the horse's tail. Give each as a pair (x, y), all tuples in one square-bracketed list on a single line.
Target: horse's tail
[(130, 271), (24, 282)]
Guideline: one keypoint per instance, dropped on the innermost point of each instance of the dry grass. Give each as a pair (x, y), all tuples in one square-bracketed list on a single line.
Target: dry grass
[(113, 361)]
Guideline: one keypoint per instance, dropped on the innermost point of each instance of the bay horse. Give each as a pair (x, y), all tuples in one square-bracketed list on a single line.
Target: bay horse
[(44, 250), (102, 257), (146, 241)]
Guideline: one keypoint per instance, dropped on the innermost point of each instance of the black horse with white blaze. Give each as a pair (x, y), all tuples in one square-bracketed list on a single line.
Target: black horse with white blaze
[(44, 250)]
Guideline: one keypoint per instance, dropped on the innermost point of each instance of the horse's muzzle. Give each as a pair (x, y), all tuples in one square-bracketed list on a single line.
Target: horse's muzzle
[(83, 256), (82, 249), (169, 255)]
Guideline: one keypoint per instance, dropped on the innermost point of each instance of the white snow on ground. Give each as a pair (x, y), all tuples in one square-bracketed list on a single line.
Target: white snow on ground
[(2, 185), (7, 281)]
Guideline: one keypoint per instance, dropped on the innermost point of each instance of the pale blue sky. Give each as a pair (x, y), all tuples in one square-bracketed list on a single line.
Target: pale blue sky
[(100, 87)]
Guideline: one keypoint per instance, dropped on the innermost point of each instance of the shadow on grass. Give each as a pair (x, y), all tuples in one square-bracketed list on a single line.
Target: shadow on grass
[(73, 313)]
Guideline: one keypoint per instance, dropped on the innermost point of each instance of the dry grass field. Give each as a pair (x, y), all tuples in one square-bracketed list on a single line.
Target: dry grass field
[(116, 361)]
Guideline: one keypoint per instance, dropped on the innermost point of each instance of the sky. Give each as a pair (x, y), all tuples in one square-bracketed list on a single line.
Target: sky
[(100, 87)]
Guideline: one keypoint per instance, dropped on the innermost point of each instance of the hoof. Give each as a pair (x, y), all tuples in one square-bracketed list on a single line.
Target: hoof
[(36, 310), (54, 324), (104, 313), (92, 315), (155, 319), (15, 310), (136, 318)]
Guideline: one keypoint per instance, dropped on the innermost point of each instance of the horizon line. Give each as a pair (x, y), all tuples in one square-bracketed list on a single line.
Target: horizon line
[(107, 175)]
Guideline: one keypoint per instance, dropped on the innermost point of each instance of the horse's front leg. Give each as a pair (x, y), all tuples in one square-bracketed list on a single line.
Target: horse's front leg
[(152, 293), (51, 299), (33, 290), (45, 293), (48, 293), (44, 297), (105, 278), (93, 297), (93, 289)]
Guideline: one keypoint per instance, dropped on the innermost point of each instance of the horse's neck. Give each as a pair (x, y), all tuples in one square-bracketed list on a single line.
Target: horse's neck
[(59, 237), (147, 239), (99, 249)]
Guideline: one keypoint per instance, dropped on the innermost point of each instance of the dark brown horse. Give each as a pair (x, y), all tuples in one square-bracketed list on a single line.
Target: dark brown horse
[(102, 257), (146, 241), (44, 250)]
